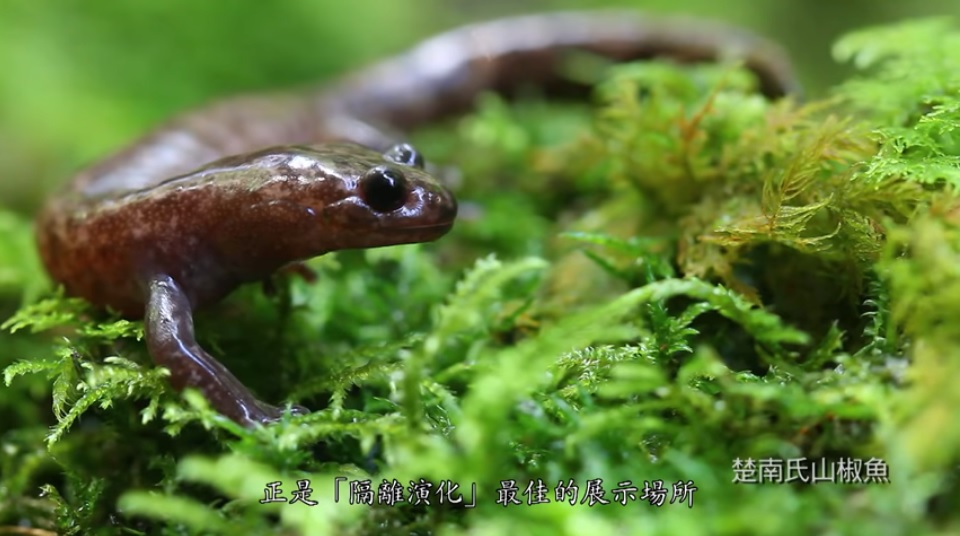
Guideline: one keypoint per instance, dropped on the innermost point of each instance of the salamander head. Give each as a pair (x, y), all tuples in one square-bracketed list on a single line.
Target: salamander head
[(358, 197)]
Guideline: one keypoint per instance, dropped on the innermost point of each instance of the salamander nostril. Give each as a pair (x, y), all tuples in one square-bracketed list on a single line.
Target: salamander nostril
[(450, 207), (384, 189)]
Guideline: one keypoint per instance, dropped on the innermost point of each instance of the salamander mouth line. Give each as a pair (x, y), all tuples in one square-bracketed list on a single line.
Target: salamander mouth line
[(430, 227)]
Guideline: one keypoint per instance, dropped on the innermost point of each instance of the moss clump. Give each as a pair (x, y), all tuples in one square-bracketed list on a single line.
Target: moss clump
[(735, 279)]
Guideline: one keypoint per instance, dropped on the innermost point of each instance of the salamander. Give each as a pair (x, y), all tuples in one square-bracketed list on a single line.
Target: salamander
[(229, 193)]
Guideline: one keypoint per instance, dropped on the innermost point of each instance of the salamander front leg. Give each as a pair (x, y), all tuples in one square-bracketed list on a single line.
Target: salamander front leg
[(295, 268), (171, 342)]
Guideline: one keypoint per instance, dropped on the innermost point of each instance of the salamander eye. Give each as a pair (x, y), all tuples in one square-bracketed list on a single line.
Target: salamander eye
[(384, 189), (404, 153)]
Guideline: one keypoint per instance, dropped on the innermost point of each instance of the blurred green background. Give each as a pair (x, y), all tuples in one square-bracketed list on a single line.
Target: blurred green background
[(81, 78)]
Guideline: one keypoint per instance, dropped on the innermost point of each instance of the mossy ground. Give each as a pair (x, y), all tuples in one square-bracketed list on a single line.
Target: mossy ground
[(679, 276)]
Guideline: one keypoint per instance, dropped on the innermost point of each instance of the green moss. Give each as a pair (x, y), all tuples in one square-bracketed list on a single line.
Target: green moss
[(732, 279)]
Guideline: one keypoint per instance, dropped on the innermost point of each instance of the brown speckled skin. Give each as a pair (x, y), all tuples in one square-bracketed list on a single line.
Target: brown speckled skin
[(233, 221), (197, 207)]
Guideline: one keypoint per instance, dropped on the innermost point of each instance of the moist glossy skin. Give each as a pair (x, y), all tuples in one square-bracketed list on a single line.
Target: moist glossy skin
[(229, 193), (235, 220)]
